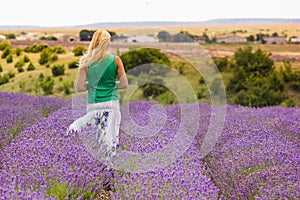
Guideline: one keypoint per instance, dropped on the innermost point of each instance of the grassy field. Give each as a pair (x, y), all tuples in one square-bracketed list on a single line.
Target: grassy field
[(28, 81)]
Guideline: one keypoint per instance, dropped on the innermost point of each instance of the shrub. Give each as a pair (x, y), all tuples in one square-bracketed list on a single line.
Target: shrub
[(26, 59), (30, 67), (48, 38), (1, 69), (54, 57), (5, 44), (66, 87), (11, 36), (20, 63), (6, 52), (4, 79), (73, 64), (20, 69), (36, 48), (47, 85), (78, 51), (11, 74), (59, 50), (41, 77), (9, 58), (58, 70), (45, 56), (18, 51)]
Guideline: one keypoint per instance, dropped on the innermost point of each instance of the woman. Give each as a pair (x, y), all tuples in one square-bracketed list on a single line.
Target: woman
[(98, 72)]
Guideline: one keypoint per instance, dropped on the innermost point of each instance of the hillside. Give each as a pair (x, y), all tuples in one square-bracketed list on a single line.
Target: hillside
[(232, 21)]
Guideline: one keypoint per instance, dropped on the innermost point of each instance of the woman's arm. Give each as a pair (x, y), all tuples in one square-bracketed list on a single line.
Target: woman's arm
[(123, 82), (80, 84)]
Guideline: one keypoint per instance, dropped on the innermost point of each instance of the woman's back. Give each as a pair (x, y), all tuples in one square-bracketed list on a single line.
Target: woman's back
[(102, 80)]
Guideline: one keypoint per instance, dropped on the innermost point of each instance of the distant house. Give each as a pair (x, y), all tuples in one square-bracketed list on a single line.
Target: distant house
[(295, 40), (199, 39), (142, 39), (68, 38), (27, 37), (2, 37), (275, 40), (231, 39)]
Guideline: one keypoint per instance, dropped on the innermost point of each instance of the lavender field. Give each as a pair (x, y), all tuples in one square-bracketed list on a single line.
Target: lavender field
[(257, 155)]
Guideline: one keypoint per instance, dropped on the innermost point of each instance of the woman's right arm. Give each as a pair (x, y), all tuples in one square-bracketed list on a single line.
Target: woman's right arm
[(80, 84), (123, 82)]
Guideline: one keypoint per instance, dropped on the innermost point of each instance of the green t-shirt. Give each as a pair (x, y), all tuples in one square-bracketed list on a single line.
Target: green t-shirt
[(102, 80)]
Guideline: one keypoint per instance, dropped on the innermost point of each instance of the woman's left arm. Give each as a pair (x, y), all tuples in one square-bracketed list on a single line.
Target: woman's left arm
[(81, 84)]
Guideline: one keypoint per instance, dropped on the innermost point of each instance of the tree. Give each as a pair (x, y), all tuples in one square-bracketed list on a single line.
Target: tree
[(148, 59), (86, 35), (206, 37), (275, 34), (258, 62), (255, 81), (144, 56), (11, 36), (164, 36), (223, 64), (251, 38)]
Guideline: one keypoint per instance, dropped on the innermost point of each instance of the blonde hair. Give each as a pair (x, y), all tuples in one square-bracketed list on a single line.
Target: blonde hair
[(97, 48)]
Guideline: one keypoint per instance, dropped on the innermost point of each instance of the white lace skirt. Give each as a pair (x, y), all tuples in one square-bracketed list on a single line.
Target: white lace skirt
[(99, 129)]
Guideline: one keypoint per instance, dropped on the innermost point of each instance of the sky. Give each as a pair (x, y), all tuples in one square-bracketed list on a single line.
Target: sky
[(74, 12)]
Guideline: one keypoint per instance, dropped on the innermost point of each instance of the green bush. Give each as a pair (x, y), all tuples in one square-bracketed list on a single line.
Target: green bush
[(1, 69), (11, 74), (144, 56), (30, 67), (53, 57), (18, 51), (9, 58), (5, 44), (20, 63), (4, 79), (36, 48), (41, 77), (59, 50), (26, 59), (20, 69), (47, 85), (73, 64), (78, 51), (11, 36), (45, 56), (7, 51), (58, 70)]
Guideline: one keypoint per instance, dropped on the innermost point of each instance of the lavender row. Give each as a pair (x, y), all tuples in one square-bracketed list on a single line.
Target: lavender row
[(258, 154), (19, 111)]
